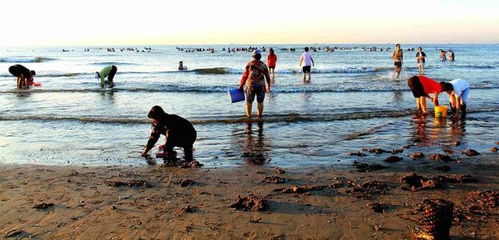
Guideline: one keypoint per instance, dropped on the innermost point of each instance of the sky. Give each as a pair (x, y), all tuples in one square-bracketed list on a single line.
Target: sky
[(183, 22)]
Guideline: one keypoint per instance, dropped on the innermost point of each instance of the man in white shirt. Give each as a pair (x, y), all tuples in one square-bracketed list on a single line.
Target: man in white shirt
[(458, 91), (306, 62)]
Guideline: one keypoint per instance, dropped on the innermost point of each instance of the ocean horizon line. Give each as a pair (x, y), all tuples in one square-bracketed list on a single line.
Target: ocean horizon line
[(238, 44)]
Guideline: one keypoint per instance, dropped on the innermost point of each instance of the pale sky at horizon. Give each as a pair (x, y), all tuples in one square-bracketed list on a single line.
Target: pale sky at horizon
[(92, 22)]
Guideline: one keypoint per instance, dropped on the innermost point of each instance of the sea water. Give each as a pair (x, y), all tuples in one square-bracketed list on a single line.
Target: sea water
[(352, 102)]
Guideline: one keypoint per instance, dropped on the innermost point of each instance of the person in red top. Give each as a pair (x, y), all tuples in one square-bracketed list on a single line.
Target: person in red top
[(421, 87), (271, 62), (253, 78)]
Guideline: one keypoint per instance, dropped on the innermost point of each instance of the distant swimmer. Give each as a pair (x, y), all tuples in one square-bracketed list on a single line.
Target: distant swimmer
[(179, 132), (108, 72), (458, 91), (451, 55), (253, 78), (306, 62), (421, 59), (271, 62), (443, 56), (421, 88), (181, 66), (398, 57), (23, 74)]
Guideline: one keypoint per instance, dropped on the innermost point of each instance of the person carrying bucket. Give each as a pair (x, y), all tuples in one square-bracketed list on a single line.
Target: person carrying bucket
[(458, 91), (108, 72), (254, 76), (421, 87)]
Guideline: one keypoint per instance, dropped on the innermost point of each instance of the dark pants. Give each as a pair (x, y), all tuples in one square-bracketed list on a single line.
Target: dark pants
[(185, 142), (110, 77), (416, 87)]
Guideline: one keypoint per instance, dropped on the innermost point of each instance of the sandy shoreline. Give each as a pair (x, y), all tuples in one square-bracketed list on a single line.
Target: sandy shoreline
[(88, 203)]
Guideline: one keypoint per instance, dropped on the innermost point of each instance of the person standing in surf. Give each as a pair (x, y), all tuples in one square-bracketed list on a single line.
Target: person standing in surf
[(179, 132), (443, 56), (458, 91), (398, 57), (271, 63), (421, 59), (23, 74), (421, 87), (253, 78), (451, 55), (108, 72), (306, 63)]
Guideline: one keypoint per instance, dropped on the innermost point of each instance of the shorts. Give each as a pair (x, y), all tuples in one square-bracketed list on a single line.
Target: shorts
[(464, 95), (256, 90), (397, 64), (271, 67), (416, 87), (306, 69)]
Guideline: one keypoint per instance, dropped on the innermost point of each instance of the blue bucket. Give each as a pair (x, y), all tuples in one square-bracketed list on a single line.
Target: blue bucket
[(236, 95)]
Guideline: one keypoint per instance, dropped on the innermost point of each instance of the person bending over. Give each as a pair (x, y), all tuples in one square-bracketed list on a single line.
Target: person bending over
[(108, 72), (179, 132), (253, 78), (421, 87), (23, 74), (458, 91)]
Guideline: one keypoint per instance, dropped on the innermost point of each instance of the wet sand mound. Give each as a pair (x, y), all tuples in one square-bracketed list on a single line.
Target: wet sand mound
[(367, 190), (250, 203)]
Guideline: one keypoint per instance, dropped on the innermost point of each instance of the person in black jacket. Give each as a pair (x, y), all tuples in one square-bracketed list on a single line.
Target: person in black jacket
[(179, 132)]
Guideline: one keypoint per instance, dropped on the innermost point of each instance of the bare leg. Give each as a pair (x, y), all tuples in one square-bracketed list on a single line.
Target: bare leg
[(309, 76), (304, 77), (423, 104), (260, 109), (248, 109)]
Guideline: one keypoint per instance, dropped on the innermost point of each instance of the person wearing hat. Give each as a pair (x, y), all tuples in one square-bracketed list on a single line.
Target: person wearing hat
[(23, 74), (179, 132), (108, 72), (253, 78)]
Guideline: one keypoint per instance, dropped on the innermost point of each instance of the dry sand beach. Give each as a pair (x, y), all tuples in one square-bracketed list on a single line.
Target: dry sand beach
[(158, 202)]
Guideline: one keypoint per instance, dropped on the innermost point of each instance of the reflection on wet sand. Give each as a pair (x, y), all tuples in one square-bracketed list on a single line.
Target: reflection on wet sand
[(255, 148), (430, 131)]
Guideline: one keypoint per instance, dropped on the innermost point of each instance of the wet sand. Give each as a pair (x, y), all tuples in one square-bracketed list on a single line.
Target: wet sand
[(157, 202)]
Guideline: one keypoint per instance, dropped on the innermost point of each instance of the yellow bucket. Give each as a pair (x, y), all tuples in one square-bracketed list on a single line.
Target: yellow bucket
[(440, 111)]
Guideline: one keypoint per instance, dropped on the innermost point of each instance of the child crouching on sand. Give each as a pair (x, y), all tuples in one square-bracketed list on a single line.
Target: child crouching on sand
[(179, 132)]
